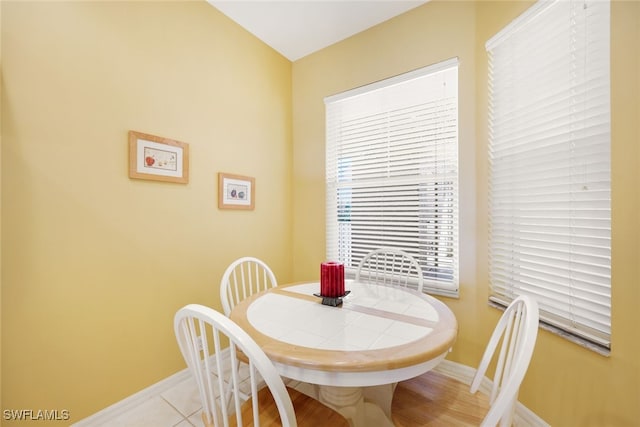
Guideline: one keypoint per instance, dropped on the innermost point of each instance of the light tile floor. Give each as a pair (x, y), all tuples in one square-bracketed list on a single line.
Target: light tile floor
[(178, 406)]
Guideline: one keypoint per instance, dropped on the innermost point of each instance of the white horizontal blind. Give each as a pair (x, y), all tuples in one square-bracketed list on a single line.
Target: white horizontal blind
[(392, 172), (549, 152)]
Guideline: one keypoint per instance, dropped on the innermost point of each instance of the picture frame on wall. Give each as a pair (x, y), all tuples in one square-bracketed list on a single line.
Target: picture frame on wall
[(157, 158), (236, 191)]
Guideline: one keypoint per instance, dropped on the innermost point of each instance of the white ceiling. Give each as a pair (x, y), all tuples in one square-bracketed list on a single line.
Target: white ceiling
[(296, 28)]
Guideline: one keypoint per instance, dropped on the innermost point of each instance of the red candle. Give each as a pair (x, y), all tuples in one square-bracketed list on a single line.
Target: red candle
[(332, 279)]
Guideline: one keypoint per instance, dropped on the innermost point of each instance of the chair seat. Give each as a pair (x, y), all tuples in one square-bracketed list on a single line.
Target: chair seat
[(309, 412), (433, 399)]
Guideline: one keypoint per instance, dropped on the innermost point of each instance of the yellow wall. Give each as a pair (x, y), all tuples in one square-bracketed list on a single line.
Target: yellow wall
[(566, 384), (94, 264)]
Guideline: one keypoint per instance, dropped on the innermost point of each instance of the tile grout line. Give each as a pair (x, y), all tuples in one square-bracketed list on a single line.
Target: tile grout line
[(184, 417)]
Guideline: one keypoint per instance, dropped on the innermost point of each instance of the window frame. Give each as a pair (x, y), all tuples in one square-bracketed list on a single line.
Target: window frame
[(342, 250)]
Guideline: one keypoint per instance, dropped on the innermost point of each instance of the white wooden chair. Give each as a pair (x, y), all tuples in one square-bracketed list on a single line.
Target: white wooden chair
[(391, 267), (244, 277), (201, 333), (516, 332), (388, 267)]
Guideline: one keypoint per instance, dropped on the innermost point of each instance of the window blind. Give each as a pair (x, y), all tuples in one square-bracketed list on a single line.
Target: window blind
[(549, 165), (392, 172)]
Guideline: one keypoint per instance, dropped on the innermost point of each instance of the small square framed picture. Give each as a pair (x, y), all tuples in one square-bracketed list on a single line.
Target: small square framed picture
[(236, 191)]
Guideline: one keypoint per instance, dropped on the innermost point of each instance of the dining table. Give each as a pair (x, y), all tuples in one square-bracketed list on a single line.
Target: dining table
[(353, 353)]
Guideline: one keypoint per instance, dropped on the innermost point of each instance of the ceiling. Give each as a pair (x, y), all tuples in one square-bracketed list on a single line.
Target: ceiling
[(296, 28)]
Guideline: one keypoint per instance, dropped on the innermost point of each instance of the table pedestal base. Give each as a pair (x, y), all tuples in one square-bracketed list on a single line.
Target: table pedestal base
[(350, 402), (381, 395)]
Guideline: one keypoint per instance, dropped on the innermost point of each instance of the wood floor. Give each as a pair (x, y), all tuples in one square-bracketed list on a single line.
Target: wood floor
[(434, 399), (309, 412)]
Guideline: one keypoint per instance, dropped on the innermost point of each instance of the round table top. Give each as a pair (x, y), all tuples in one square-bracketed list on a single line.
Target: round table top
[(377, 328)]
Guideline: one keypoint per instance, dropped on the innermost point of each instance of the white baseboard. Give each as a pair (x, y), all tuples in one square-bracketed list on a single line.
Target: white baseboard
[(463, 373), (111, 412)]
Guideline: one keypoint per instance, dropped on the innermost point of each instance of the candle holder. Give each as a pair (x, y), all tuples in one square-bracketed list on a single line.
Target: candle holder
[(333, 301)]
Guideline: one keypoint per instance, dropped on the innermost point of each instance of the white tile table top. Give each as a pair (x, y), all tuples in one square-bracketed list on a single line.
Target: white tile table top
[(367, 319)]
